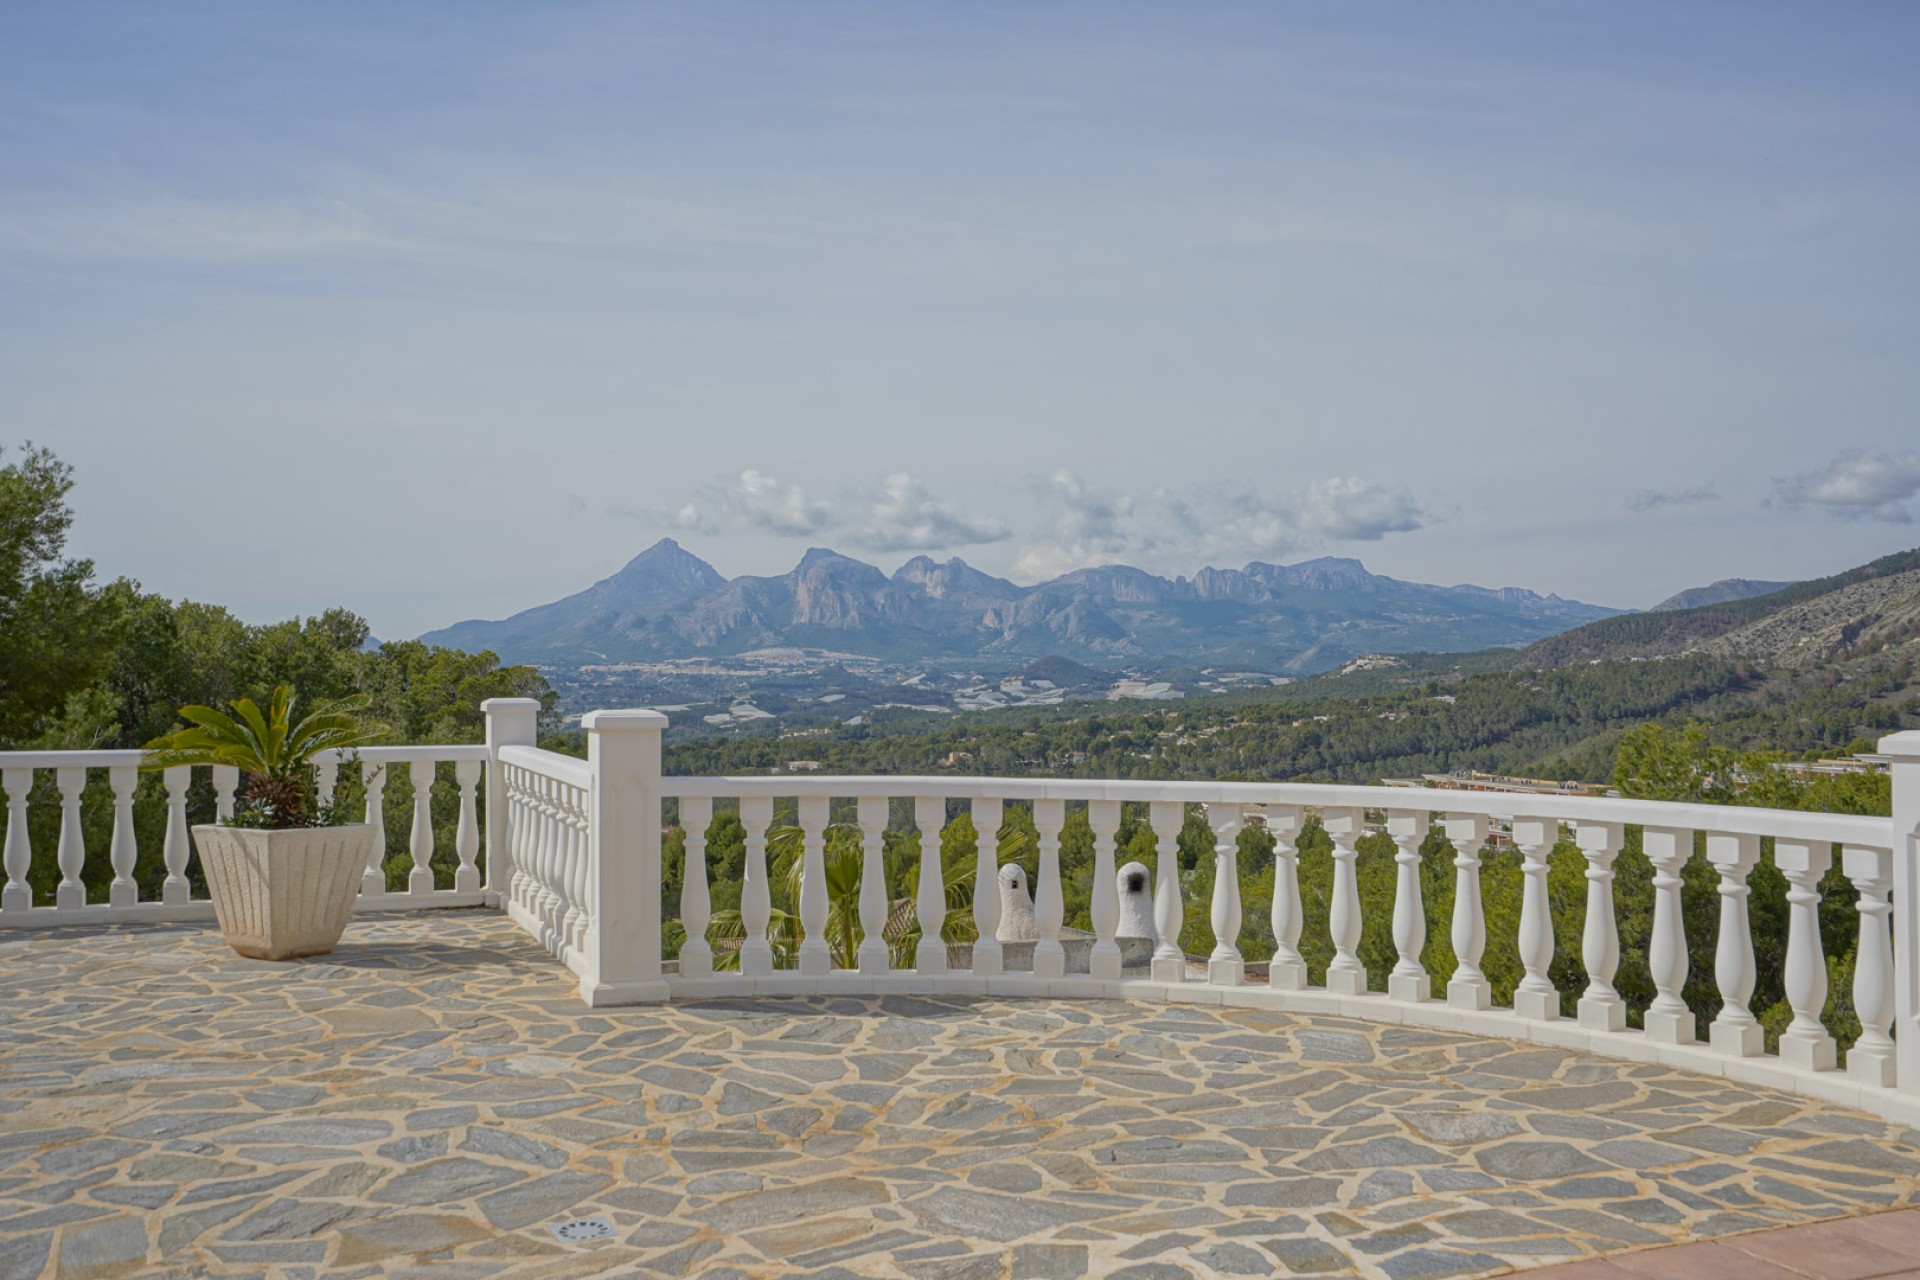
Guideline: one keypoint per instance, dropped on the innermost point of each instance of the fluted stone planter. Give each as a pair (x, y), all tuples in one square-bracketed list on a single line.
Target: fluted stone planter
[(283, 894)]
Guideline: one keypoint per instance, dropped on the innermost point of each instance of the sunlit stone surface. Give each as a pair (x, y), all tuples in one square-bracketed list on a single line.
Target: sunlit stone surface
[(434, 1094)]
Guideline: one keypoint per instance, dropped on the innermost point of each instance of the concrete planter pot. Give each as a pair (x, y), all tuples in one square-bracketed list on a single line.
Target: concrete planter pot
[(283, 894)]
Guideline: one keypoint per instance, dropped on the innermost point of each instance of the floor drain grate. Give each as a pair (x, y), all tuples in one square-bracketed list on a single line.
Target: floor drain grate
[(578, 1230)]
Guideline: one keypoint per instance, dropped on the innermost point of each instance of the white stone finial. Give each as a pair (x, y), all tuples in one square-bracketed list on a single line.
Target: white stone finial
[(1017, 922)]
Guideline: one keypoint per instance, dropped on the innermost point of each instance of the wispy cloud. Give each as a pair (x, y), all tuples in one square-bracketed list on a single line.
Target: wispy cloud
[(900, 515), (1861, 484), (1654, 499)]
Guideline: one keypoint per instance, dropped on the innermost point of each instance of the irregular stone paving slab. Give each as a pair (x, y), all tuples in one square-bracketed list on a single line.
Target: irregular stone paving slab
[(432, 1096)]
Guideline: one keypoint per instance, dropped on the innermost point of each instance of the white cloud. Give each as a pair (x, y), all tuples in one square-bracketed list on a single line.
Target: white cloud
[(1089, 526), (1651, 499), (1862, 484), (903, 516), (755, 500)]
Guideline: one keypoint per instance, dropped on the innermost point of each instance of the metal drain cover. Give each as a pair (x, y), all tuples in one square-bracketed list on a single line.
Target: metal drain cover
[(579, 1230)]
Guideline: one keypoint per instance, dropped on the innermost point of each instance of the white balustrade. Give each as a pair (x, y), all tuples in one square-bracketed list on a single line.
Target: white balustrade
[(1346, 975), (1104, 961), (18, 851), (875, 958), (1468, 988), (1166, 817), (696, 901), (1049, 903), (73, 850), (466, 836), (1601, 1007), (1409, 980), (756, 899), (178, 847), (420, 840), (988, 815), (1805, 1043), (373, 776), (1668, 1019), (930, 953), (1225, 967), (1535, 997), (1287, 971), (1735, 1031), (1872, 1058), (816, 956)]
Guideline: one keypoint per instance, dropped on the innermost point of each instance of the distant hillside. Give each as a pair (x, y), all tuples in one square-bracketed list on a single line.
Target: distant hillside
[(1721, 592), (1816, 618), (1300, 618)]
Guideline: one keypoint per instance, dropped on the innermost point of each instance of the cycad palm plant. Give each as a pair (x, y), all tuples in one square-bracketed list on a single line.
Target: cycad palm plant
[(845, 859), (272, 750)]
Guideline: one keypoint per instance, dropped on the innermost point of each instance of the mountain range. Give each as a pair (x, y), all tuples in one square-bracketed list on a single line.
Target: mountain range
[(668, 603)]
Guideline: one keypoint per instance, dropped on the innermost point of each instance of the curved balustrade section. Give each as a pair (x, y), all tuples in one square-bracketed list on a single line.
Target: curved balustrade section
[(547, 820), (80, 820)]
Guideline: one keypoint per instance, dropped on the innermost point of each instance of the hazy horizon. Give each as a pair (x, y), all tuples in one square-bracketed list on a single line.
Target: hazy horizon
[(474, 304)]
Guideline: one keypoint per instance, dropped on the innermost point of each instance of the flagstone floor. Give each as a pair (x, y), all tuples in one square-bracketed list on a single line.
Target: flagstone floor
[(432, 1098)]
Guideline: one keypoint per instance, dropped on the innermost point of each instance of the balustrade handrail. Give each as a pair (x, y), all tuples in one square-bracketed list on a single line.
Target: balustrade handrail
[(1864, 831), (571, 770)]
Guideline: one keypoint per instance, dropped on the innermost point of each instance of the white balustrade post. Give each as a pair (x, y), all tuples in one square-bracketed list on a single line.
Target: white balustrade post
[(1535, 997), (696, 902), (466, 835), (874, 957), (1166, 818), (1468, 988), (374, 879), (1409, 980), (988, 960), (18, 852), (72, 848), (579, 871), (123, 892), (756, 898), (420, 842), (1287, 971), (1668, 1019), (621, 948), (1049, 902), (1736, 1031), (1805, 1043), (1104, 963), (816, 956), (1904, 750), (1225, 967), (1873, 1059), (511, 722), (1346, 975), (930, 954), (226, 785), (178, 845), (1601, 1008)]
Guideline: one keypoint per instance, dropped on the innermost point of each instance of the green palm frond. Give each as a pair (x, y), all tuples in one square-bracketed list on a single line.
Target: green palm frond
[(269, 744)]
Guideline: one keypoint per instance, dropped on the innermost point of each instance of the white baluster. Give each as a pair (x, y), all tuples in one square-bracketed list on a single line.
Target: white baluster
[(1169, 962), (874, 905), (1535, 997), (1872, 1058), (374, 879), (930, 956), (178, 846), (1468, 988), (816, 956), (1287, 971), (123, 892), (579, 880), (1225, 968), (1668, 1019), (1104, 817), (326, 779), (1346, 975), (1736, 1031), (1805, 1043), (988, 961), (756, 900), (466, 836), (524, 831), (18, 854), (1601, 1008), (547, 861), (1049, 904), (420, 843), (226, 785), (72, 848), (696, 903), (1409, 979)]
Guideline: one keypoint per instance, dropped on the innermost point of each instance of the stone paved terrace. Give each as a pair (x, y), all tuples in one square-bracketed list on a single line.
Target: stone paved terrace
[(431, 1097)]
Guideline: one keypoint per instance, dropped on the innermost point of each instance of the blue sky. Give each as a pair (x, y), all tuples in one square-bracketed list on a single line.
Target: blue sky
[(472, 302)]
